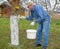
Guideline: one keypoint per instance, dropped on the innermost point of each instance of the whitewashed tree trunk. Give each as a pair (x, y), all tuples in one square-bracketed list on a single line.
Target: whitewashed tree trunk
[(14, 30)]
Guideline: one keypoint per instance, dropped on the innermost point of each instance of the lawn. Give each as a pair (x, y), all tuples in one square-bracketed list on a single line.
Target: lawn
[(54, 39)]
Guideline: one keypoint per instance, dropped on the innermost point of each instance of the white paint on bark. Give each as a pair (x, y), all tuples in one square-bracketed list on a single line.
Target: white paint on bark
[(14, 30)]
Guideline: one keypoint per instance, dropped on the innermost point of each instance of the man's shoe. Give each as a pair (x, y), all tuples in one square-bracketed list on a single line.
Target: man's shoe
[(44, 47), (37, 45)]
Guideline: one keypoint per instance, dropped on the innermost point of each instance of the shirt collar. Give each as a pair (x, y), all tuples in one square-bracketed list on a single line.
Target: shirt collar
[(33, 8)]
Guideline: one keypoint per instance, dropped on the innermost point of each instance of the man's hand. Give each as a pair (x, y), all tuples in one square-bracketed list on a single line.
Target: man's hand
[(22, 17), (32, 23)]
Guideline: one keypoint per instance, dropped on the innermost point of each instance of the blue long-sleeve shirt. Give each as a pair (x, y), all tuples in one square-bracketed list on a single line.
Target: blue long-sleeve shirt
[(38, 13)]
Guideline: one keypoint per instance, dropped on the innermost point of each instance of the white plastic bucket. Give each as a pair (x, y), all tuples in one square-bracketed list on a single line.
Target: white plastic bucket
[(31, 34)]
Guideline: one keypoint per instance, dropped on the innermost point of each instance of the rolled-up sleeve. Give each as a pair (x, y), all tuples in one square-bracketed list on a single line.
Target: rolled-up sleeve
[(30, 17)]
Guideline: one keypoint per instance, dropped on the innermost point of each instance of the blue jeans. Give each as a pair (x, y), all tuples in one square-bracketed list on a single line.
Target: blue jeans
[(44, 26)]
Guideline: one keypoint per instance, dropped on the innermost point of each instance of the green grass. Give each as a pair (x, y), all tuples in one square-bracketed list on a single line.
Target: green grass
[(54, 39)]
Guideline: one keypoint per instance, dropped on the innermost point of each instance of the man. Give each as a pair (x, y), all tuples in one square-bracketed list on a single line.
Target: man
[(43, 19)]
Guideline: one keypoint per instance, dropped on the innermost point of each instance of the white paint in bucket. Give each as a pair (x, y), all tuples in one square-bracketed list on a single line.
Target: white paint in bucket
[(31, 34)]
